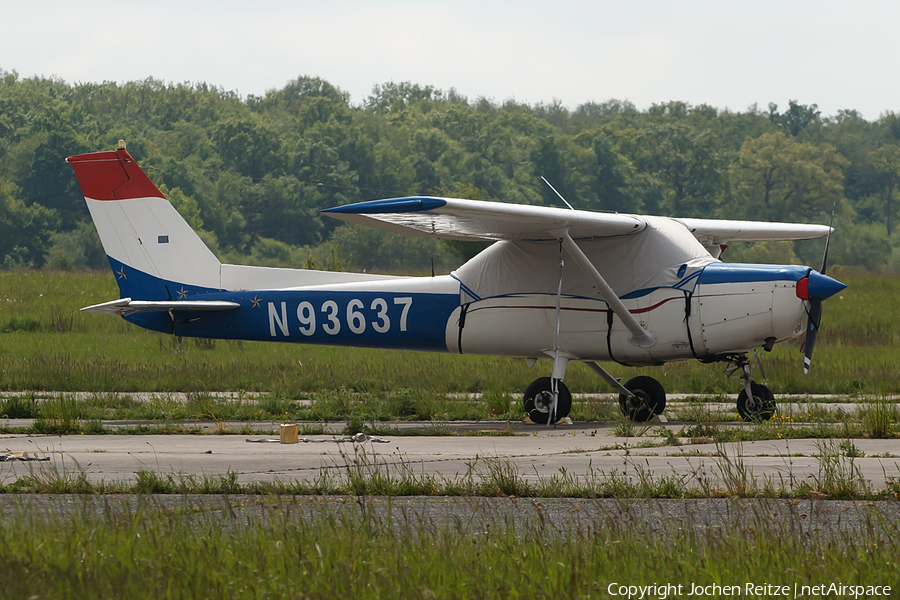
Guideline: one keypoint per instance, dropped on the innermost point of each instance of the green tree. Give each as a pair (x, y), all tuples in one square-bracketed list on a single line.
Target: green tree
[(295, 95), (799, 120), (42, 174), (886, 161), (285, 209), (248, 145), (25, 231), (781, 179), (186, 205), (687, 163)]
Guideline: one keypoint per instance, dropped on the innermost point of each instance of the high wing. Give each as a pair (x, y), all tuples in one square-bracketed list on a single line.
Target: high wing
[(714, 232), (458, 219)]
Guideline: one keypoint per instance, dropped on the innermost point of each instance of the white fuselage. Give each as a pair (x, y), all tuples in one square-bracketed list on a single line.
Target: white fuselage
[(724, 317)]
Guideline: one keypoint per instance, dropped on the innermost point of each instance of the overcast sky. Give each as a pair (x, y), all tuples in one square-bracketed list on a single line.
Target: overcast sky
[(839, 55)]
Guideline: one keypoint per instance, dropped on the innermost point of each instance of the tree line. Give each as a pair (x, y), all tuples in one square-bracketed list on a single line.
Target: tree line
[(250, 174)]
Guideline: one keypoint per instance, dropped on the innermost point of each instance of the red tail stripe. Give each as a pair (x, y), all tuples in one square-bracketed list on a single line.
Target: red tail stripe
[(112, 176)]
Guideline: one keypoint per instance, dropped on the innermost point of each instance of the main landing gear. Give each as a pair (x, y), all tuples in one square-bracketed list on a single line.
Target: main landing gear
[(645, 399), (539, 400), (640, 398), (648, 398)]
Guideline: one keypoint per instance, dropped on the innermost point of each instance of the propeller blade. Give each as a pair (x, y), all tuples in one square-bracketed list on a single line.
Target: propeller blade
[(821, 287), (812, 329)]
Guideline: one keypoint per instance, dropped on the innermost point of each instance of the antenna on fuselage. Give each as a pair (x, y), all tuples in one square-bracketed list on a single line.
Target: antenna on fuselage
[(555, 192), (828, 240)]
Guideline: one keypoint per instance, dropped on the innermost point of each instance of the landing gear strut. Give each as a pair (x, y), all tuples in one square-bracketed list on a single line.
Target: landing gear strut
[(640, 398), (539, 400), (756, 402)]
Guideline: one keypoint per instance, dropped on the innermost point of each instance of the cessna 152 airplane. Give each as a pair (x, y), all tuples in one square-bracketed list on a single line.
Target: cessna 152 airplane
[(558, 284)]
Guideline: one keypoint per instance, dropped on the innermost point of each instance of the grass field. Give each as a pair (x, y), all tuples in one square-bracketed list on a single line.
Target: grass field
[(46, 344), (283, 548)]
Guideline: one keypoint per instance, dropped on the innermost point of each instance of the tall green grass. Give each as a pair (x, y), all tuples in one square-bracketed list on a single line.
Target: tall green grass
[(49, 345), (378, 549)]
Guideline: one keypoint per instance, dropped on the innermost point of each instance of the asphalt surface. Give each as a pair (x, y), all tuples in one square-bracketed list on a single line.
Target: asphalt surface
[(534, 452)]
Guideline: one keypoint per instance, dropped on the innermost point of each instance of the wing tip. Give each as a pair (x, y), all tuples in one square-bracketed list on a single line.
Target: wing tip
[(389, 205)]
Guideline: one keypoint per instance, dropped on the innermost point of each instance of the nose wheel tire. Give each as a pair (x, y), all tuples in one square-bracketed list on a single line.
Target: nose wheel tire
[(649, 399), (759, 408), (539, 400)]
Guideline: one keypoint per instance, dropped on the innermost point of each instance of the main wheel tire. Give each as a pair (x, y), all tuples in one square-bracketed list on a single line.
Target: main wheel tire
[(763, 406), (649, 399), (539, 399)]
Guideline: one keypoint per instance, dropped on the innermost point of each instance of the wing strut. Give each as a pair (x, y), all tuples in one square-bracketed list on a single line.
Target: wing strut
[(639, 336)]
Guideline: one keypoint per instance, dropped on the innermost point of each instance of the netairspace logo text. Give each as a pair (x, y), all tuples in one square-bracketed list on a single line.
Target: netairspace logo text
[(746, 590)]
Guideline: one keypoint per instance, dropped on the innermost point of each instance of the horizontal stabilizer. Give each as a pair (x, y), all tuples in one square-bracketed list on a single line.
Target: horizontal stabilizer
[(126, 306)]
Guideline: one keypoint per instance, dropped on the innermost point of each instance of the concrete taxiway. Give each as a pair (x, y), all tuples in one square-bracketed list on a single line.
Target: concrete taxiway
[(581, 450)]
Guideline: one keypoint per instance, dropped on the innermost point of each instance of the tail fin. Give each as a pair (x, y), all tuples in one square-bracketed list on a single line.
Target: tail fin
[(153, 251)]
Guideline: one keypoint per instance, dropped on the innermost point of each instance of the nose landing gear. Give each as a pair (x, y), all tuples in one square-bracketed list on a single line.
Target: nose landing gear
[(756, 402)]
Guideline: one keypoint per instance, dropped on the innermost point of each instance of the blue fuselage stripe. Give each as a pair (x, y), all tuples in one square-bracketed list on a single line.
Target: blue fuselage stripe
[(367, 319), (389, 319)]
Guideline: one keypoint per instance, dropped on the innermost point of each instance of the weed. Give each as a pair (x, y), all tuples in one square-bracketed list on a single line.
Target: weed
[(148, 482), (205, 344), (498, 402), (838, 475), (19, 407), (274, 405), (61, 320), (289, 546), (850, 450), (627, 428), (59, 416), (699, 432), (312, 429), (698, 410), (735, 474), (879, 418), (670, 438), (439, 428), (353, 427), (503, 479)]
